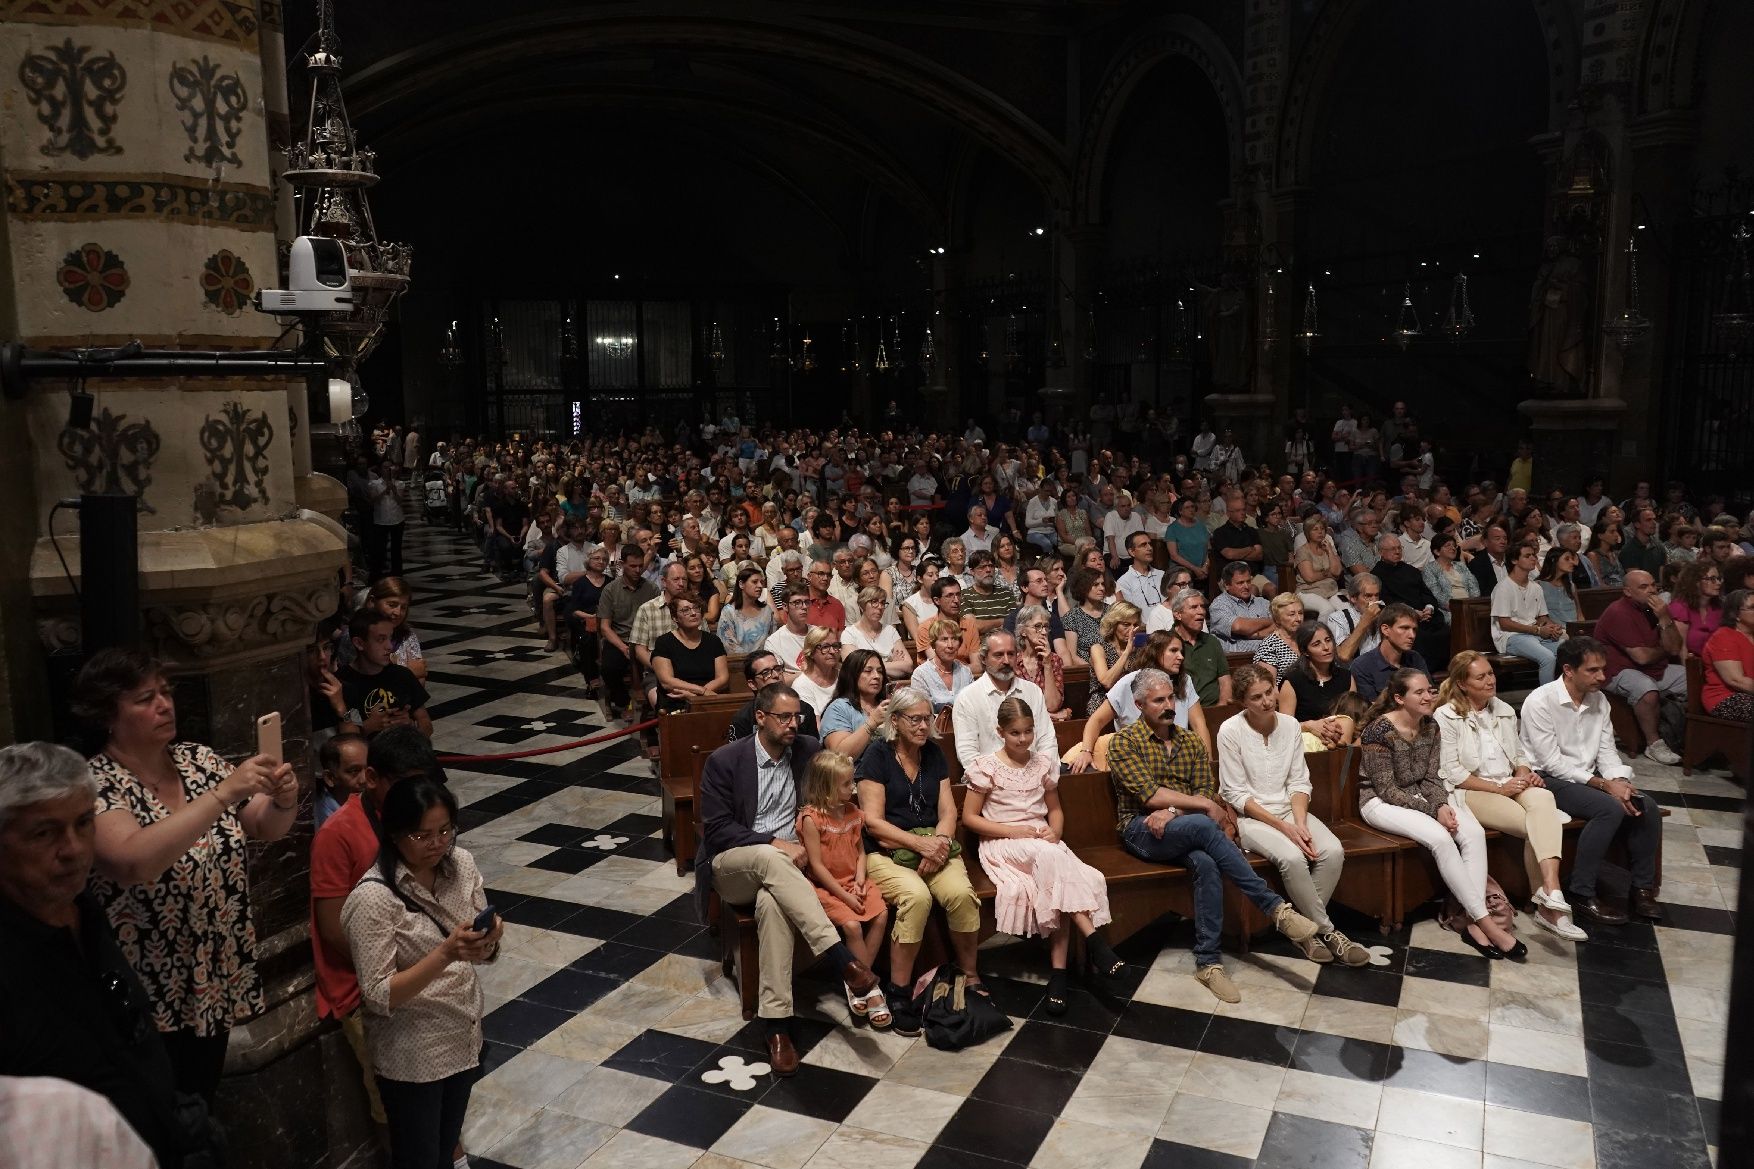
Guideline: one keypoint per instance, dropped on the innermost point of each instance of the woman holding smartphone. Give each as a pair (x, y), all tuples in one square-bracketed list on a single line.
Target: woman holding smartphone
[(417, 923)]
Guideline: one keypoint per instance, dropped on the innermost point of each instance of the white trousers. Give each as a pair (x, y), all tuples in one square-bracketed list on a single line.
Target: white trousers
[(1461, 859)]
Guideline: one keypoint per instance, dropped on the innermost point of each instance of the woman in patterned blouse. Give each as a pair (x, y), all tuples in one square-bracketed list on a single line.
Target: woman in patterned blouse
[(1401, 794), (1278, 650), (172, 819)]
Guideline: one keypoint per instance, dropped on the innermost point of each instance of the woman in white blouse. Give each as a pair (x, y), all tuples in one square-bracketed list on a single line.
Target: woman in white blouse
[(918, 608), (1482, 756), (821, 661), (869, 632), (1263, 775), (410, 929)]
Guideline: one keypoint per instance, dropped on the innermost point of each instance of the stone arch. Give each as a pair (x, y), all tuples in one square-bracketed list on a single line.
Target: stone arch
[(405, 78), (1172, 36), (1669, 52), (1322, 57)]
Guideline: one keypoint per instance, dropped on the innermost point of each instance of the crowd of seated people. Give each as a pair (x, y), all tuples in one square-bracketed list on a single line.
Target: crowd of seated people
[(884, 600)]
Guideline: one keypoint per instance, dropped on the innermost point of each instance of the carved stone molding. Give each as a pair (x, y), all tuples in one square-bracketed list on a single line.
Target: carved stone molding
[(223, 626)]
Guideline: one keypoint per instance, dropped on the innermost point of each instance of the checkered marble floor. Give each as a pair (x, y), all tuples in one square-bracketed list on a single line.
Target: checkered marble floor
[(614, 1041)]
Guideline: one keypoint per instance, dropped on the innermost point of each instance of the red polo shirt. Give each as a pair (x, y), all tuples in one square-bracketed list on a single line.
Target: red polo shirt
[(341, 852), (828, 612)]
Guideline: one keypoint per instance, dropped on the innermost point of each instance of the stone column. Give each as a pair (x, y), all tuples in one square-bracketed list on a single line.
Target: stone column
[(140, 204)]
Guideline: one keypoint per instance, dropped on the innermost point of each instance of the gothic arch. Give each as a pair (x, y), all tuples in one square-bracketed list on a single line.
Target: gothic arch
[(523, 44), (1322, 56), (1172, 36), (1669, 53)]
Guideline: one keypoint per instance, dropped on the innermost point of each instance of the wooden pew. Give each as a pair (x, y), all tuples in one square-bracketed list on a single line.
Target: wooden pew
[(678, 737), (1077, 682), (1708, 736), (1471, 628), (1592, 602)]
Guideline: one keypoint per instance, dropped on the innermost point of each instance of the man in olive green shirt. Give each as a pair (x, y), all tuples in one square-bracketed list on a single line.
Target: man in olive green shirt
[(1202, 653)]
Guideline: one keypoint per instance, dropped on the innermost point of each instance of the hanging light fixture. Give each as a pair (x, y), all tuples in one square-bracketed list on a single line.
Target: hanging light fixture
[(776, 352), (329, 172), (450, 354), (928, 351), (569, 343), (1090, 347), (807, 356), (1459, 320), (1629, 329), (617, 345), (716, 348), (1012, 350), (899, 362), (1309, 331), (1407, 329), (881, 362), (1735, 321)]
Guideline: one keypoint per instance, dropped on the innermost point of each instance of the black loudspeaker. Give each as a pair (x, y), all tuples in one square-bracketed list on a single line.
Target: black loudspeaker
[(109, 571), (79, 411)]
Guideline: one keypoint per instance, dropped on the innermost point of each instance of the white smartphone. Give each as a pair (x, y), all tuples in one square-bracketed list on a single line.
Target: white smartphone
[(268, 736)]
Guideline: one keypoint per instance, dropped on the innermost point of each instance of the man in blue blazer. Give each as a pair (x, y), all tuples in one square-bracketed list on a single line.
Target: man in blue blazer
[(749, 852)]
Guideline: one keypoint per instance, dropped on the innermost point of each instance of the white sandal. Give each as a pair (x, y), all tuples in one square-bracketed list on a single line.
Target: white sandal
[(877, 1009), (856, 1002)]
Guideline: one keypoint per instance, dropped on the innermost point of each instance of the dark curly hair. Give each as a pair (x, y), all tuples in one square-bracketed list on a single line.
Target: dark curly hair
[(109, 674)]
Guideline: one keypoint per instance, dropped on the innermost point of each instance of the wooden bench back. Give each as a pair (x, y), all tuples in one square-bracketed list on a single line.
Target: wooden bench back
[(1088, 801), (1591, 603), (1069, 734), (1695, 685), (679, 734), (1333, 777), (1077, 686), (1470, 625)]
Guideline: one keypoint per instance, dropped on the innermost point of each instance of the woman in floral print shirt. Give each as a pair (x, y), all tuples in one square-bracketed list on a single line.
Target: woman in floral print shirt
[(172, 823)]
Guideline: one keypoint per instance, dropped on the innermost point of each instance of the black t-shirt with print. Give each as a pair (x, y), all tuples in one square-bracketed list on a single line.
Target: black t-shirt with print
[(391, 687)]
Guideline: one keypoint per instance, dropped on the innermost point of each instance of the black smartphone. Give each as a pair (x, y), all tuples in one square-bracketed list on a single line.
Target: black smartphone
[(483, 920)]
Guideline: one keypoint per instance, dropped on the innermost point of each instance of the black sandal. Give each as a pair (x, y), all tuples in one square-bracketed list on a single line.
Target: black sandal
[(1057, 1002), (1103, 962)]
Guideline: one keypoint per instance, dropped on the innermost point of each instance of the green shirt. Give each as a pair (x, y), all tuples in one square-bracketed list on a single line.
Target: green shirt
[(1139, 763), (993, 606), (1205, 663)]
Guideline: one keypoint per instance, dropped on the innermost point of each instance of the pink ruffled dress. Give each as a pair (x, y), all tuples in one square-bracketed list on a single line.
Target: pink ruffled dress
[(1035, 881)]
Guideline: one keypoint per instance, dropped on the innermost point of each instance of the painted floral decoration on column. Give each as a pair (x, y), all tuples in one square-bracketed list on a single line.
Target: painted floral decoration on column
[(93, 277), (227, 283)]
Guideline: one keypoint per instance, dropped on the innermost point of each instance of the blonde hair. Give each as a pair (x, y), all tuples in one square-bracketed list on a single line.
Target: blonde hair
[(871, 594), (817, 635), (1119, 613), (1285, 601), (1451, 690), (826, 771), (940, 626)]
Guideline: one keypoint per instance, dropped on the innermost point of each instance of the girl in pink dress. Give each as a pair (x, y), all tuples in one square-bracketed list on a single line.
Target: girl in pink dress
[(832, 830), (1013, 805)]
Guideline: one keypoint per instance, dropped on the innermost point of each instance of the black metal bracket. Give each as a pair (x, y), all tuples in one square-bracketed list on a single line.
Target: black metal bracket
[(20, 366)]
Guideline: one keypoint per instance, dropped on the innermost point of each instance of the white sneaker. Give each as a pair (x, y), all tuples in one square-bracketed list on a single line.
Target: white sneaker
[(1564, 927), (1658, 752)]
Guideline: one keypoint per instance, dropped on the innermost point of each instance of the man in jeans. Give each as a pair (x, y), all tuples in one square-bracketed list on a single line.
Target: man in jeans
[(1168, 811), (1570, 744), (1520, 624), (621, 599)]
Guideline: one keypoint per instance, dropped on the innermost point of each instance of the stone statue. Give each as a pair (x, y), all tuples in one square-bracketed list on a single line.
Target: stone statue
[(1227, 321), (1559, 310)]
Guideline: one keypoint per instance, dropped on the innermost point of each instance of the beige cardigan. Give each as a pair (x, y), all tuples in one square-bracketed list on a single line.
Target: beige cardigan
[(1460, 756)]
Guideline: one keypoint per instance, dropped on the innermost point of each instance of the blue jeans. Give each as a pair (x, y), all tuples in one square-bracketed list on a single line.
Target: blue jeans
[(1195, 840), (1535, 649), (1050, 545)]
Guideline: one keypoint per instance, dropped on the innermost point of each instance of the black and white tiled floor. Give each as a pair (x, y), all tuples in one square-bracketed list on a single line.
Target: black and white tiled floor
[(614, 1041)]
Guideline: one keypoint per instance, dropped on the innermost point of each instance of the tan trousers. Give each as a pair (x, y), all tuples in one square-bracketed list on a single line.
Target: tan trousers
[(1531, 816), (785, 901), (353, 1029), (911, 896), (1308, 883)]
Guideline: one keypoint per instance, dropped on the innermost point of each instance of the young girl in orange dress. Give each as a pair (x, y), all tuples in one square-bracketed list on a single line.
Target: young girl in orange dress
[(832, 829), (1013, 805)]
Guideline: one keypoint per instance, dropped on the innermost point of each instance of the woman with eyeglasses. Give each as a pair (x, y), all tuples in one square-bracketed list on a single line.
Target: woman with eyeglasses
[(689, 661), (819, 668), (910, 829), (172, 831), (410, 925), (1697, 604), (902, 578)]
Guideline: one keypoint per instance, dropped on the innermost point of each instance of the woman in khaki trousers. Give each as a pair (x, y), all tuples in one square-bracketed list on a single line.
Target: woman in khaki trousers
[(1482, 756)]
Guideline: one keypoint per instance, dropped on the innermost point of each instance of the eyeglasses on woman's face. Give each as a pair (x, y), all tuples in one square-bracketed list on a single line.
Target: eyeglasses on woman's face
[(441, 835), (915, 719)]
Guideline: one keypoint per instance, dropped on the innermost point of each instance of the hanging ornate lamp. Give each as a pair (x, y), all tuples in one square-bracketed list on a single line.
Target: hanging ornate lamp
[(450, 354), (1459, 320), (806, 357), (716, 348), (329, 172), (1735, 321), (1407, 328), (1309, 330), (1012, 350), (1270, 315), (1629, 329), (776, 352), (928, 351)]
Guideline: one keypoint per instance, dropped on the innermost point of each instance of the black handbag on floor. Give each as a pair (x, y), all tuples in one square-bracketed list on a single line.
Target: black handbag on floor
[(951, 1017)]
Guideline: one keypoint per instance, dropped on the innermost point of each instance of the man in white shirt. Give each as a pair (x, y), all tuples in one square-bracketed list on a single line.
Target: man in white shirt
[(1141, 585), (979, 537), (787, 642), (1570, 743), (975, 712), (739, 521), (1520, 624), (922, 488), (1353, 621), (1415, 542), (1118, 527)]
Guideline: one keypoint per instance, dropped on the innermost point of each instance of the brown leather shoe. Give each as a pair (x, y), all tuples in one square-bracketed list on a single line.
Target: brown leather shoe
[(781, 1055), (1595, 909), (858, 977), (1643, 904)]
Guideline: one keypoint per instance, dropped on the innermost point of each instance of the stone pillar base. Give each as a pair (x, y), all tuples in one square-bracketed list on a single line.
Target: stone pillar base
[(1575, 438), (1250, 418)]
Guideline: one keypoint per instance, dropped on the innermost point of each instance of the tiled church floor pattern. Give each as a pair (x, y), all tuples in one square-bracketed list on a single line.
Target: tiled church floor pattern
[(613, 1040)]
